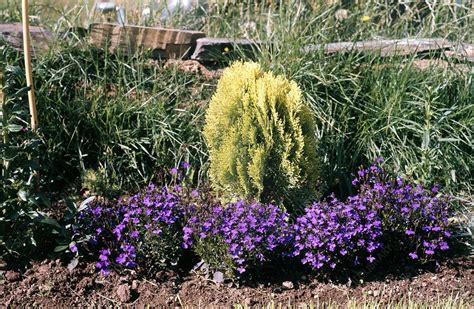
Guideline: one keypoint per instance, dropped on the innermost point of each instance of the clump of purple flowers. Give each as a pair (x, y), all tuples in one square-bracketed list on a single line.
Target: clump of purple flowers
[(144, 229), (414, 218), (333, 233), (387, 213), (237, 236)]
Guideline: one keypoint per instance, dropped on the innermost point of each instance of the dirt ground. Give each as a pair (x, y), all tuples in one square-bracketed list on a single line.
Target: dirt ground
[(52, 284)]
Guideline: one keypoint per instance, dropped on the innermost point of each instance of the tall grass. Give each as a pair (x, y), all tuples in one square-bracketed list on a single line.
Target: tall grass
[(127, 117)]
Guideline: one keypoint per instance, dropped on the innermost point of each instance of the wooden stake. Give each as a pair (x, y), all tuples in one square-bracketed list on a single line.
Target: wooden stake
[(28, 69)]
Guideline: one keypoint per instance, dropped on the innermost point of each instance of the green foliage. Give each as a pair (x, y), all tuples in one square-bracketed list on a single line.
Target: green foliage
[(420, 120), (24, 226), (122, 118), (261, 137)]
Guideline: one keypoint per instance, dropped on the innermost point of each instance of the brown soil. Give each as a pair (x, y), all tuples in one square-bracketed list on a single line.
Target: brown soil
[(52, 284)]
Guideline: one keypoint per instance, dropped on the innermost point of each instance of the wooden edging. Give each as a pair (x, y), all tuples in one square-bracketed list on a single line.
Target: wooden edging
[(186, 44), (161, 42)]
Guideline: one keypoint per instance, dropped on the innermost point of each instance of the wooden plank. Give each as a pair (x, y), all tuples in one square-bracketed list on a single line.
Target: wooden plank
[(401, 47), (128, 40), (13, 35), (222, 49), (385, 47)]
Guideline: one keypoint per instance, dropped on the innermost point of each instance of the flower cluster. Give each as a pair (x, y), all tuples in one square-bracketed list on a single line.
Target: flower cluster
[(152, 228), (414, 218), (333, 233), (145, 228), (239, 235)]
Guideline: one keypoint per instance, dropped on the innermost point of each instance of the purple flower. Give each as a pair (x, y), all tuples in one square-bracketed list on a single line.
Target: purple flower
[(407, 208), (73, 247), (125, 228), (252, 233), (333, 233)]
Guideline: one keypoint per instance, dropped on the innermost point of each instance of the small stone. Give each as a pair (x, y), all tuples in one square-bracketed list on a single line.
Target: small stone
[(376, 293), (218, 277), (135, 284), (44, 269), (32, 290), (288, 285), (342, 14), (12, 276), (123, 293)]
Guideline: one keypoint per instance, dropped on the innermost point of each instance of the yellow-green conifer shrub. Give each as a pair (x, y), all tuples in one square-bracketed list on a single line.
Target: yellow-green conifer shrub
[(261, 137)]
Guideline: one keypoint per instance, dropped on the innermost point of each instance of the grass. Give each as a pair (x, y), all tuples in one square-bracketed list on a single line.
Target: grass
[(126, 118), (111, 123), (451, 302)]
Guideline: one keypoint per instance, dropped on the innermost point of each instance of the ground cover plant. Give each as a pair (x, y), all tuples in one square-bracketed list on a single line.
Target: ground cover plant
[(239, 236), (111, 125), (386, 213)]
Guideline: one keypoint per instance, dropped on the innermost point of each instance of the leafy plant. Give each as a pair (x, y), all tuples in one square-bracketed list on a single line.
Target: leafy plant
[(338, 234), (122, 118), (414, 217), (141, 231), (24, 226), (238, 236), (261, 137)]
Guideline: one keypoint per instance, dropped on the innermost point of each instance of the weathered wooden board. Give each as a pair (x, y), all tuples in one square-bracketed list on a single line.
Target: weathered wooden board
[(385, 47), (13, 35), (162, 43), (222, 49), (400, 47)]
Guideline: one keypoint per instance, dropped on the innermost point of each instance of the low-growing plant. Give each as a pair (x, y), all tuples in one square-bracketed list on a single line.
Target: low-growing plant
[(261, 137), (334, 234), (239, 236), (414, 217), (141, 231), (387, 212)]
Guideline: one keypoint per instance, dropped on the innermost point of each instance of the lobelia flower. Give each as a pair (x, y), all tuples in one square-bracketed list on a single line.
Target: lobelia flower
[(406, 208), (333, 233), (251, 233), (127, 229)]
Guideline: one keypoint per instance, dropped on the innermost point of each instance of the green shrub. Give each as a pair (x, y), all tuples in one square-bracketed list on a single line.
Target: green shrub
[(26, 230), (261, 137)]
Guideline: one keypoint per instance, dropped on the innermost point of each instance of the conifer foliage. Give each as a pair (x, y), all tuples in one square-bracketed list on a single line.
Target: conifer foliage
[(261, 137)]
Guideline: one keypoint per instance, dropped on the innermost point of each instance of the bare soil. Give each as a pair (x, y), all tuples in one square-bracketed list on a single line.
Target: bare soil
[(52, 284)]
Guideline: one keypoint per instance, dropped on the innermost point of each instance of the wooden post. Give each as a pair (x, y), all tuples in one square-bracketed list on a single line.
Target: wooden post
[(28, 69), (29, 78), (4, 123)]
